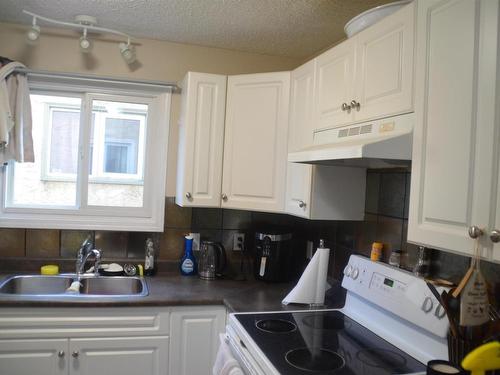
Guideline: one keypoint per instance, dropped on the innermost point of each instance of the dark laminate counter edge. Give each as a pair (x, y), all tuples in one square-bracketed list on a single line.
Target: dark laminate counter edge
[(176, 290)]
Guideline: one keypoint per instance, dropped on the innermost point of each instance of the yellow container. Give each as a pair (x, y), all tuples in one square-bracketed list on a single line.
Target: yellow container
[(376, 252), (49, 269)]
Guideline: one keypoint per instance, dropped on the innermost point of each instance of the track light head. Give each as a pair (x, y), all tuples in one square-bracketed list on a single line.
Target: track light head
[(85, 43), (128, 52), (33, 33)]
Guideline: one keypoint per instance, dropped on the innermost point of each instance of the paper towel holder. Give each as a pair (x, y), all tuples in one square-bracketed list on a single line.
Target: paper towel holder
[(311, 287)]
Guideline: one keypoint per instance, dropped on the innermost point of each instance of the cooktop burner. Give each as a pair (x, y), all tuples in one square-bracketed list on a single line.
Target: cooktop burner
[(332, 320), (275, 326), (324, 342), (314, 360)]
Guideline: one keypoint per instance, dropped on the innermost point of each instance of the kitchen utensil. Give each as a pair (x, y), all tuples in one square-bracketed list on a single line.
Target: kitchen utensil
[(450, 312), (474, 304), (493, 313), (212, 260), (483, 359)]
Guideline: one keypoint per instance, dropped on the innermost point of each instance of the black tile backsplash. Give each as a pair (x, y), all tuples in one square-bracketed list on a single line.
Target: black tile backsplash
[(386, 213)]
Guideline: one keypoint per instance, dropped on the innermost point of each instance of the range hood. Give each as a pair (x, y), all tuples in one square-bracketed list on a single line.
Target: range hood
[(383, 143)]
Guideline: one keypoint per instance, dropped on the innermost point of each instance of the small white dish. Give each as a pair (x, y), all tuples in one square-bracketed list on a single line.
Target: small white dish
[(371, 16)]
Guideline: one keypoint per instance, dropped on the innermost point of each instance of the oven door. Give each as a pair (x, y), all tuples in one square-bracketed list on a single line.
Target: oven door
[(241, 353)]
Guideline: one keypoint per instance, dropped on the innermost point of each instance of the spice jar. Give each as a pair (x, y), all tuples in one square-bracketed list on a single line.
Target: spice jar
[(395, 258), (376, 252)]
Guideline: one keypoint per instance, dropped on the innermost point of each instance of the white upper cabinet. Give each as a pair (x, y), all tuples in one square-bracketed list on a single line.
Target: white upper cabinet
[(368, 76), (201, 138), (384, 66), (255, 141), (334, 86), (455, 167), (312, 191)]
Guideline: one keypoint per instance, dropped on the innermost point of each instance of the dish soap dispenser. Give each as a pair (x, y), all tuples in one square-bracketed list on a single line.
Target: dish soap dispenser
[(149, 263), (188, 261)]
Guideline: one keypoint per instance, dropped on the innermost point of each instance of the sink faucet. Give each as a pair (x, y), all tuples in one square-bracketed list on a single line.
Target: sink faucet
[(83, 253)]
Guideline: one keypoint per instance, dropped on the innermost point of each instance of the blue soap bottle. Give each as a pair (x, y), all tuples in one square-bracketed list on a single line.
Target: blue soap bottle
[(188, 262)]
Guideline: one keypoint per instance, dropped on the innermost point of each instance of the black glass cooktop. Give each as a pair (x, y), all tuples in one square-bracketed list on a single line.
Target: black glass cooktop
[(324, 342)]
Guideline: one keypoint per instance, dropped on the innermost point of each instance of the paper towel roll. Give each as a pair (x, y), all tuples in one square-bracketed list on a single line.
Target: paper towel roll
[(311, 286)]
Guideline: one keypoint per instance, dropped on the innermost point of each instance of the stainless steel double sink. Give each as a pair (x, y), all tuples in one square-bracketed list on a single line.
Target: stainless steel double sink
[(56, 286)]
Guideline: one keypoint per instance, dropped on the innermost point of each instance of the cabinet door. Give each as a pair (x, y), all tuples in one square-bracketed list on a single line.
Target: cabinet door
[(255, 144), (195, 340), (334, 85), (40, 357), (300, 135), (119, 355), (201, 138), (454, 134), (384, 66)]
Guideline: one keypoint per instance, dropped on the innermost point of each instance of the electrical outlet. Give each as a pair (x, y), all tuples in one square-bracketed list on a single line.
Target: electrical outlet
[(196, 241), (238, 241)]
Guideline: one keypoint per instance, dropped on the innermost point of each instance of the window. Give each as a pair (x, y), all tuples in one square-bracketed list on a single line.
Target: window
[(100, 161)]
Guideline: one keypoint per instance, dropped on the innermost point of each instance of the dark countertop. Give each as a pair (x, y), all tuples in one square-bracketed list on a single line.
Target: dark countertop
[(171, 289)]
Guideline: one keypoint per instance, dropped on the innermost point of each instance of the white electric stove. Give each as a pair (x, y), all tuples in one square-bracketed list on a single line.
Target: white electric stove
[(390, 324)]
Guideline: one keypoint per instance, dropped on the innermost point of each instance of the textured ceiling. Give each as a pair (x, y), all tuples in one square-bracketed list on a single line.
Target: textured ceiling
[(293, 28)]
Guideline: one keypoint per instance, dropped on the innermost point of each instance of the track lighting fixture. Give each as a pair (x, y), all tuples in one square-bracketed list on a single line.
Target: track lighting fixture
[(128, 52), (83, 23), (85, 43), (34, 32)]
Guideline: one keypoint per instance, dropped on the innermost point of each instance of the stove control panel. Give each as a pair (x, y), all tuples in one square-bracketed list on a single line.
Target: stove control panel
[(397, 291)]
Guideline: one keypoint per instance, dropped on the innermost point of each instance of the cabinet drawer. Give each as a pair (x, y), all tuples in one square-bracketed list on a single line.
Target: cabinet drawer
[(83, 322)]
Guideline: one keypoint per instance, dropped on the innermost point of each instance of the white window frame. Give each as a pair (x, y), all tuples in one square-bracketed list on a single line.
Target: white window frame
[(150, 217), (98, 166)]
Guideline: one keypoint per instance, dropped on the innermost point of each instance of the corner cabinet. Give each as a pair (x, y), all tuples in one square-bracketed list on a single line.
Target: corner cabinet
[(255, 141), (310, 188), (368, 76), (455, 171), (201, 139)]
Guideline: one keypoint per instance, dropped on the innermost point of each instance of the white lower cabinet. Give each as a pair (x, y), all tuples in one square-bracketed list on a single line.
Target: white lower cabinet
[(125, 341), (120, 355), (40, 357), (195, 339)]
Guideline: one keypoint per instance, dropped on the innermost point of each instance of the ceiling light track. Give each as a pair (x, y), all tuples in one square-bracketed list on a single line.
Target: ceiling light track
[(84, 23)]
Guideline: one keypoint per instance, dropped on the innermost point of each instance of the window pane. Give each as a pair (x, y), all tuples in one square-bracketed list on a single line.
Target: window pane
[(117, 154), (51, 179), (64, 141)]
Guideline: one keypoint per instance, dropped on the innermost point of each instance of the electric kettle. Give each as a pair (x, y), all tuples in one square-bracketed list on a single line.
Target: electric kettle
[(212, 260)]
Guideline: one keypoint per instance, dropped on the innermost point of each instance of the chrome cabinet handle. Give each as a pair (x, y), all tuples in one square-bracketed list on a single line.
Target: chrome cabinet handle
[(61, 354), (345, 107), (302, 204), (355, 104), (188, 195), (475, 232), (224, 197), (495, 236), (75, 354)]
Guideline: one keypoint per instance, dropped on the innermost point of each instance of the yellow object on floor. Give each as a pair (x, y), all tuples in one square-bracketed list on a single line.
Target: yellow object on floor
[(482, 359), (49, 269)]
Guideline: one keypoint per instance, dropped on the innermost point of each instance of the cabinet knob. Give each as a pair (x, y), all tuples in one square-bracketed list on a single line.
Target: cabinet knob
[(346, 107), (188, 195), (302, 204), (495, 236), (355, 104), (75, 354), (61, 353), (224, 197), (475, 231)]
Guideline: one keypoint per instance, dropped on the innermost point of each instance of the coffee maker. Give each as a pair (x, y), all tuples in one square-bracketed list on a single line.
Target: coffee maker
[(273, 256)]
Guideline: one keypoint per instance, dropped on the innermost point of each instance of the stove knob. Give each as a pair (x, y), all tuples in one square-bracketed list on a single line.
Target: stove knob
[(427, 305), (348, 270), (439, 312), (355, 273)]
